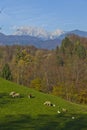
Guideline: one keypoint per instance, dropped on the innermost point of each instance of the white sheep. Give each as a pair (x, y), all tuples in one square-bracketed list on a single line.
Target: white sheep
[(58, 112), (29, 96), (54, 105), (73, 117), (12, 93), (64, 110), (48, 103), (16, 95)]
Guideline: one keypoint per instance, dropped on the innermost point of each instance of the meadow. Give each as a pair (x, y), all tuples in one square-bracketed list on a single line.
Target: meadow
[(31, 114)]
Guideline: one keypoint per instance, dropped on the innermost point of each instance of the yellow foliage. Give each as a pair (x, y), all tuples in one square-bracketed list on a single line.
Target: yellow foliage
[(21, 63), (58, 90)]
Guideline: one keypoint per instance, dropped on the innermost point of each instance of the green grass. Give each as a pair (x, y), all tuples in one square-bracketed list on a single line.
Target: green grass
[(30, 114)]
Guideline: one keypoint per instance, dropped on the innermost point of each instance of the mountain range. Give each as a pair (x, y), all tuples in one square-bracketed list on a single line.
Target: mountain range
[(49, 41)]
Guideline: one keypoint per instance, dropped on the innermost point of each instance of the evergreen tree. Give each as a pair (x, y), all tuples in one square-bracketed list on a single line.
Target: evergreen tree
[(6, 72), (80, 50), (66, 46)]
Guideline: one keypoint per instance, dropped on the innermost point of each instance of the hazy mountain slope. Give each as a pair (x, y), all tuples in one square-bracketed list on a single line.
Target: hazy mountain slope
[(49, 43), (28, 40)]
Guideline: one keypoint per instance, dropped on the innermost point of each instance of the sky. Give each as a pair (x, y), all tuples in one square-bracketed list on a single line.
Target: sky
[(48, 14)]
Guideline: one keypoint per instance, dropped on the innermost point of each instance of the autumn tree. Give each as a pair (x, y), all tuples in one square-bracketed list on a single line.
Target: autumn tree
[(24, 63)]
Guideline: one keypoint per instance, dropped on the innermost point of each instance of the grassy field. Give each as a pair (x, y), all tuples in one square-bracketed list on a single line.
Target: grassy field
[(31, 114)]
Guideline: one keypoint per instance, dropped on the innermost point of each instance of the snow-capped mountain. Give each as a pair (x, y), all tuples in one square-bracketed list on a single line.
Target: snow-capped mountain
[(38, 37), (38, 32)]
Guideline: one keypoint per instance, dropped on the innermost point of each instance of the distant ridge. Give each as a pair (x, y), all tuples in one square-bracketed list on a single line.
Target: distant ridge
[(79, 33), (38, 42), (28, 40)]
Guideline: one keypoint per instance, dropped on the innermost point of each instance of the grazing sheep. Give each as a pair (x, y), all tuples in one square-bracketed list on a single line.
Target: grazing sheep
[(16, 95), (54, 105), (64, 110), (48, 103), (12, 93), (73, 117), (30, 96), (58, 112)]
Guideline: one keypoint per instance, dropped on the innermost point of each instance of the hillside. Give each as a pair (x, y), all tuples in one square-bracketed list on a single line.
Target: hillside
[(31, 114)]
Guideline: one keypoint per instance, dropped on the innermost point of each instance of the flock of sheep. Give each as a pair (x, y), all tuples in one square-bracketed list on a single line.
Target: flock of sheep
[(62, 110), (47, 103), (14, 95)]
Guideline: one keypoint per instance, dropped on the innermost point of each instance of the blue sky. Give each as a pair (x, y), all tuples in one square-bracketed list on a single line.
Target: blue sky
[(49, 14)]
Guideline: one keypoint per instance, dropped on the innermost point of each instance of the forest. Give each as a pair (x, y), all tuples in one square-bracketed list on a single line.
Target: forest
[(61, 71)]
